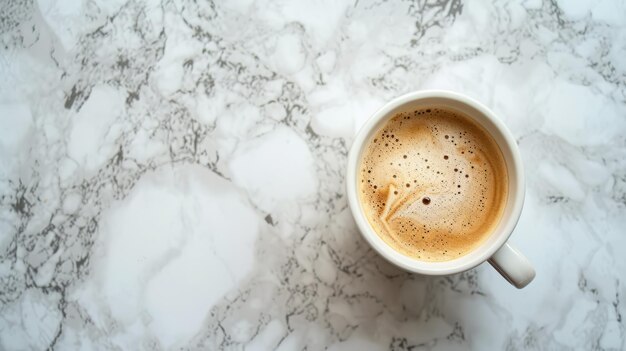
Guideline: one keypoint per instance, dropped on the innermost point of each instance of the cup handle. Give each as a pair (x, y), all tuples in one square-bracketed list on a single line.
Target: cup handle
[(513, 266)]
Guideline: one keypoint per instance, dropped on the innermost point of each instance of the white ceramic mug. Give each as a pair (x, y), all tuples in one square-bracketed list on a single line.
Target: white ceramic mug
[(503, 257)]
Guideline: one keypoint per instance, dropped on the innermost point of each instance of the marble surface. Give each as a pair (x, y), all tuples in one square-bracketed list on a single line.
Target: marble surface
[(172, 173)]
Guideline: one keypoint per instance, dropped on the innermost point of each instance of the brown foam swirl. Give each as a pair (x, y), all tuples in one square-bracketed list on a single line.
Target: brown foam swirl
[(433, 184)]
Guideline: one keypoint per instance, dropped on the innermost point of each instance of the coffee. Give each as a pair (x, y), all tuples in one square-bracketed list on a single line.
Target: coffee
[(432, 183)]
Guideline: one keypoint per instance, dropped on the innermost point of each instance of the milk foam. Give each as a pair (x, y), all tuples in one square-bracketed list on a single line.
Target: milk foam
[(433, 184)]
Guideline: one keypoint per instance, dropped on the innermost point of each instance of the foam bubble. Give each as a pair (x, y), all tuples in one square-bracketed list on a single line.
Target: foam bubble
[(440, 192)]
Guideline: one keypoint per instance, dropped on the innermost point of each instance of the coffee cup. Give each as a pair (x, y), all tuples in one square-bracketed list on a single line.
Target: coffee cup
[(495, 249)]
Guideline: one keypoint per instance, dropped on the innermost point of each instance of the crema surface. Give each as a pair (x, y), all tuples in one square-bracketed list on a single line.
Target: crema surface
[(433, 184)]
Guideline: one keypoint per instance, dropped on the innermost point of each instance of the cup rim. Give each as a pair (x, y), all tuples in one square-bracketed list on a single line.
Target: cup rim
[(385, 250)]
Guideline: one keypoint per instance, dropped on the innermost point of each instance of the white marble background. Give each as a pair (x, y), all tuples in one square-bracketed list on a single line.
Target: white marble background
[(171, 173)]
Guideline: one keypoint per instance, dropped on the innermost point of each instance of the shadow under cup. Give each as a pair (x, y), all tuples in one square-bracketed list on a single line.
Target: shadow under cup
[(505, 141)]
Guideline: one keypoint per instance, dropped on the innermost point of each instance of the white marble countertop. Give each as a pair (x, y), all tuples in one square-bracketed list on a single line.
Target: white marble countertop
[(172, 173)]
